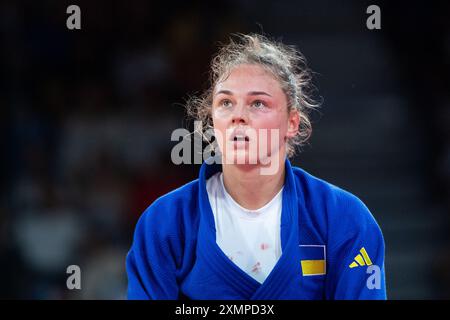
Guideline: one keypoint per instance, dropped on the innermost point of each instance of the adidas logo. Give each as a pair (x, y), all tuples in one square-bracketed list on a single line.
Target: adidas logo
[(362, 259)]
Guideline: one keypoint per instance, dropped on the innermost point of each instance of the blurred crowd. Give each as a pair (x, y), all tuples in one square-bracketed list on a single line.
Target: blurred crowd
[(423, 55)]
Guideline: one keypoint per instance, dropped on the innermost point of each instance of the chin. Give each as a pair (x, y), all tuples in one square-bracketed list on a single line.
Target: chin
[(243, 158)]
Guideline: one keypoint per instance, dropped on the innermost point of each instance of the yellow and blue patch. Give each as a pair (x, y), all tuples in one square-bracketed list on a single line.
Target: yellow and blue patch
[(313, 260)]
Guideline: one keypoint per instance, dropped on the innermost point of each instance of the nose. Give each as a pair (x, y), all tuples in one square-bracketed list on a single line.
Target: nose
[(239, 115)]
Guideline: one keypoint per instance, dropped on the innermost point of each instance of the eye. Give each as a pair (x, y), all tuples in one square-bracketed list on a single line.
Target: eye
[(258, 104), (226, 103)]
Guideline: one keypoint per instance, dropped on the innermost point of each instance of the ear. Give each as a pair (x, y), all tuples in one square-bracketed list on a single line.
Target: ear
[(293, 123)]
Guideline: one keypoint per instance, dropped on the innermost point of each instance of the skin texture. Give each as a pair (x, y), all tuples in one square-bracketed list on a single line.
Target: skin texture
[(251, 99)]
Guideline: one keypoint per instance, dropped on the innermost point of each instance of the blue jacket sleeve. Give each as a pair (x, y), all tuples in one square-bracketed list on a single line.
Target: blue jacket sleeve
[(356, 255), (151, 262)]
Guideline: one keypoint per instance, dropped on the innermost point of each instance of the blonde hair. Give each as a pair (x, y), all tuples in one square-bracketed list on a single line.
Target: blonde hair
[(286, 63)]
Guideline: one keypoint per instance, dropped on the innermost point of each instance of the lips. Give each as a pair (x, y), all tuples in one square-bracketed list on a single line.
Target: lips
[(239, 135), (240, 138)]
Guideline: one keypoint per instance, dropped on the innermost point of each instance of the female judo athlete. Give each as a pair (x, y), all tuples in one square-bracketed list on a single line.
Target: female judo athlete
[(252, 226)]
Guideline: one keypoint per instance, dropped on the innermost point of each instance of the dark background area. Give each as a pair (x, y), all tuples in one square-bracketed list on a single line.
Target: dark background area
[(87, 117)]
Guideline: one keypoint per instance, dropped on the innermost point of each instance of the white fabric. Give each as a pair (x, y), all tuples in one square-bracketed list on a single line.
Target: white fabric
[(250, 238)]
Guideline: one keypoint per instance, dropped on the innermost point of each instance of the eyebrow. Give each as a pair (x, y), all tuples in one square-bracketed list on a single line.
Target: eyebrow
[(251, 93)]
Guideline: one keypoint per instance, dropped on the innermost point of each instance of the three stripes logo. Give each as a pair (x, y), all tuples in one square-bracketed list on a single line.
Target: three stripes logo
[(362, 259)]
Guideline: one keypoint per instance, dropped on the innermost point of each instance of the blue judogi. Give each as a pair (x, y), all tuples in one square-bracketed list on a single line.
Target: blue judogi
[(332, 247)]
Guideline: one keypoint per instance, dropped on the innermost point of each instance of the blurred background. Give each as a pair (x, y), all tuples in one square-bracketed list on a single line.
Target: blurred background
[(87, 117)]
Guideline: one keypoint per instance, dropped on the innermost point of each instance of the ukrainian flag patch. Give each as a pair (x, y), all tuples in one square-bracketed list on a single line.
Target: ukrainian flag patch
[(313, 260)]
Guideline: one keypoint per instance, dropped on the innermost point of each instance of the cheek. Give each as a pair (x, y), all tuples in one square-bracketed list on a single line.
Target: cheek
[(221, 113), (274, 136), (219, 123), (219, 117), (273, 122), (219, 126)]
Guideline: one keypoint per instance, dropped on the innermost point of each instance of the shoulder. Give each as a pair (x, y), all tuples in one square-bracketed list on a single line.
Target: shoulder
[(171, 212), (177, 198), (342, 212)]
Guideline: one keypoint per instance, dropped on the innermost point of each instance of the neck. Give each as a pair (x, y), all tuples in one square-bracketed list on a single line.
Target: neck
[(248, 187)]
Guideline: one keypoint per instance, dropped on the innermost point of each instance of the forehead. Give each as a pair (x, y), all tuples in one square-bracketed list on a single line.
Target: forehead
[(245, 77)]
